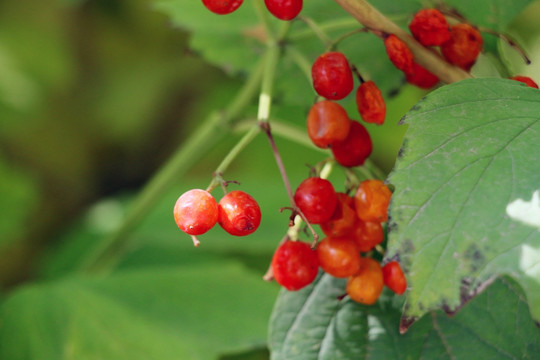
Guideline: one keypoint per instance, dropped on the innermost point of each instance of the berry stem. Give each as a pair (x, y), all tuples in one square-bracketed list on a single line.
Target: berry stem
[(371, 18), (318, 31), (512, 43)]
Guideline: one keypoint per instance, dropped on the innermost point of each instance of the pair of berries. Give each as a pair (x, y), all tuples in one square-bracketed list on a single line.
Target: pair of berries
[(333, 79), (196, 211), (282, 9)]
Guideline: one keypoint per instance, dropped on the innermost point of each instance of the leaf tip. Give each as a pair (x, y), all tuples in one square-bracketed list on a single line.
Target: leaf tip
[(405, 323)]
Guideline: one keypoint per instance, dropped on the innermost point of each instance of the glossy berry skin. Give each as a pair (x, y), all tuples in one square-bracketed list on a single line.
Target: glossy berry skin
[(343, 220), (238, 213), (317, 199), (338, 257), (356, 148), (367, 234), (366, 285), (464, 46), (370, 103), (284, 9), (399, 53), (327, 123), (421, 77), (526, 80), (222, 7), (371, 200), (332, 76), (196, 212), (429, 27), (294, 265), (394, 278)]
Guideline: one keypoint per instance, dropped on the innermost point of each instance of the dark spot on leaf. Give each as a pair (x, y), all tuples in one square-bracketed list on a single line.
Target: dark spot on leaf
[(392, 225), (537, 324), (407, 247), (402, 149), (467, 294), (475, 257), (405, 323)]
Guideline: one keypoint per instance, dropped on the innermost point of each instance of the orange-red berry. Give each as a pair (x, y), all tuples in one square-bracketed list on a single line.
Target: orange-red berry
[(332, 76), (294, 265), (394, 278), (327, 123), (338, 257), (366, 285), (399, 53), (463, 47), (344, 218), (356, 148), (429, 27), (370, 103), (421, 77), (371, 200), (526, 80), (367, 234)]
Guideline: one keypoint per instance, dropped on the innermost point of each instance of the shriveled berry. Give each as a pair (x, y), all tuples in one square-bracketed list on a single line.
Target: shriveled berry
[(342, 221), (429, 27), (294, 265), (195, 212), (371, 200), (394, 278), (526, 80), (370, 103), (284, 9), (222, 7), (367, 234), (239, 213), (399, 53), (317, 199), (463, 47), (338, 257), (332, 76), (327, 123), (366, 285), (421, 77), (356, 148)]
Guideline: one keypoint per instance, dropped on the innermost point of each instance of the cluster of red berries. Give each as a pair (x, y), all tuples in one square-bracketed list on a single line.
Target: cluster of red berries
[(282, 9), (460, 44), (352, 225), (196, 211)]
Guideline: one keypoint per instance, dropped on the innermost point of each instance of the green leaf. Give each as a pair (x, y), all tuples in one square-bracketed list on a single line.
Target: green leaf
[(195, 312), (471, 151), (313, 324)]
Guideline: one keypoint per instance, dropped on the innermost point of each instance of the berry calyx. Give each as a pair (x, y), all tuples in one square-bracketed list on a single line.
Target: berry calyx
[(338, 257), (421, 77), (399, 53), (317, 199), (327, 123), (394, 278), (371, 200), (370, 103), (367, 235), (284, 9), (429, 27), (294, 265), (196, 212), (332, 76), (222, 7), (239, 213), (526, 80), (344, 218), (356, 148), (366, 285), (463, 47)]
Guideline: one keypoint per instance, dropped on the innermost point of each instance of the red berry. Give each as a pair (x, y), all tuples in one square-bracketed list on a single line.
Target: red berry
[(338, 257), (526, 80), (196, 212), (394, 278), (294, 265), (371, 200), (342, 221), (284, 9), (421, 77), (317, 199), (355, 149), (370, 103), (464, 46), (332, 76), (238, 213), (327, 123), (399, 53), (367, 234), (366, 285), (429, 27), (222, 7)]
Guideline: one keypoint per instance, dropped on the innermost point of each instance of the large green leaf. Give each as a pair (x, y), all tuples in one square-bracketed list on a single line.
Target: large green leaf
[(313, 324), (194, 312), (470, 153)]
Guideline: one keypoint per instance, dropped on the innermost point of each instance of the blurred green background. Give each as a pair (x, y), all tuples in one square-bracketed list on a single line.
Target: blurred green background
[(95, 96)]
